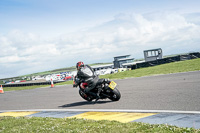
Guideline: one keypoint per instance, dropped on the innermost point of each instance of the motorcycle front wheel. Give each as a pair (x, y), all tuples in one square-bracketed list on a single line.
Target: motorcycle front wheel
[(84, 96)]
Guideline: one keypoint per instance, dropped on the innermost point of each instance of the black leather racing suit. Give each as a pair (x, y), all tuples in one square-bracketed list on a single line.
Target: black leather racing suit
[(88, 75)]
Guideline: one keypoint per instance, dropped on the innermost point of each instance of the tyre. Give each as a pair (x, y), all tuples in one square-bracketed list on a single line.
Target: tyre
[(115, 95), (84, 96)]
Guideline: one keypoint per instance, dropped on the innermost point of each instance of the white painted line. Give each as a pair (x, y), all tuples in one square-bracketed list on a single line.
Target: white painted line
[(108, 110)]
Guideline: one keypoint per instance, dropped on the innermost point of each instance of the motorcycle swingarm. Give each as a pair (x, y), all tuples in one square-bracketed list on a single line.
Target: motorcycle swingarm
[(106, 95)]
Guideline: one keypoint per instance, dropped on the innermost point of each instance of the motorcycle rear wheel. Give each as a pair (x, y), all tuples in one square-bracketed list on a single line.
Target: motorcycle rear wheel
[(116, 95)]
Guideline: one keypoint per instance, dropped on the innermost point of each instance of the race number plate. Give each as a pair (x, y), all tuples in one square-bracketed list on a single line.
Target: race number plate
[(112, 85)]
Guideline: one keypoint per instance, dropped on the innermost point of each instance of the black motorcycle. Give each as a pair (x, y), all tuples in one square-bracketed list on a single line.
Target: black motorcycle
[(105, 89)]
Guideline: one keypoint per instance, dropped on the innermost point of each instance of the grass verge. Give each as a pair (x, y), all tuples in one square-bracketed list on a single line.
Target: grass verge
[(48, 125), (175, 67)]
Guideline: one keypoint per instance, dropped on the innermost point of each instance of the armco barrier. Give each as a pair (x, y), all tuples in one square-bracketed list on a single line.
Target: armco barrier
[(30, 84), (194, 55), (167, 60)]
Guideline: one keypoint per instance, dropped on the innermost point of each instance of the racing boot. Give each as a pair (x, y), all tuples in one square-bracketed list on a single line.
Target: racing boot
[(94, 95), (97, 95)]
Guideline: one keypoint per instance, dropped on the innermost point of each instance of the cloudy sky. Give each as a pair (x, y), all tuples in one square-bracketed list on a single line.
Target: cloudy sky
[(41, 35)]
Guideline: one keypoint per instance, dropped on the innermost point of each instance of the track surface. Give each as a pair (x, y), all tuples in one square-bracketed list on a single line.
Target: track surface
[(180, 92)]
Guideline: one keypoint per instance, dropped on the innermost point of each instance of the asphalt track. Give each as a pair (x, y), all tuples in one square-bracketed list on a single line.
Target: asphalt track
[(172, 99)]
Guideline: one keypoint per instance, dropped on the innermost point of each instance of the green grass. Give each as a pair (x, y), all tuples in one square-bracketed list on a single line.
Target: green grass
[(61, 125), (175, 67), (33, 87), (65, 83)]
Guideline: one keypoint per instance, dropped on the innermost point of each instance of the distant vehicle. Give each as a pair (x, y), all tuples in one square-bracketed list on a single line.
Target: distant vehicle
[(7, 82), (67, 78), (114, 71), (122, 69), (100, 72), (108, 71), (37, 78)]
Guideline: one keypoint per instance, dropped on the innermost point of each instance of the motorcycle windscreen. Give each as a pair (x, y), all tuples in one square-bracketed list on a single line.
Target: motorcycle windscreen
[(87, 71)]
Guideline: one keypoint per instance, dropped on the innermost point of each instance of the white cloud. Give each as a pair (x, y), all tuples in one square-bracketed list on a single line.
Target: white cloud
[(125, 34)]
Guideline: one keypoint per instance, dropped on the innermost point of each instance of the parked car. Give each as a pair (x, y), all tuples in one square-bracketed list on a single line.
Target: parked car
[(67, 78)]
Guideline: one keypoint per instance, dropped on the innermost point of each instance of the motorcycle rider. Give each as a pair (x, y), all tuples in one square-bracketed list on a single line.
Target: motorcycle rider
[(86, 74)]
